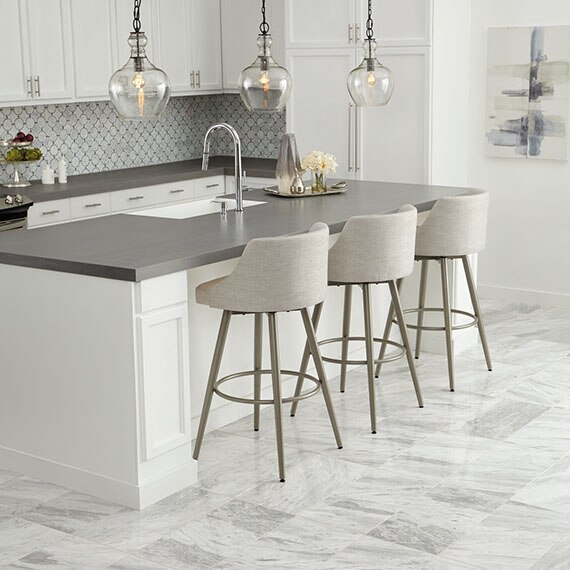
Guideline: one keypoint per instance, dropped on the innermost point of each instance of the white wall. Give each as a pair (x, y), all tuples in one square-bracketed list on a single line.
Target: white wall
[(528, 252)]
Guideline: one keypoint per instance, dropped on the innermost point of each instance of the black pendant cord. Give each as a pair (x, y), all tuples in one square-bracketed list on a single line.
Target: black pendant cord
[(370, 22), (137, 16), (264, 26)]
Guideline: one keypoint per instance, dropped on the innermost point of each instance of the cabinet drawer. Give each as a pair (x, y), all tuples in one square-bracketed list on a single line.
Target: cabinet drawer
[(212, 186), (89, 206), (176, 192), (46, 213), (135, 198)]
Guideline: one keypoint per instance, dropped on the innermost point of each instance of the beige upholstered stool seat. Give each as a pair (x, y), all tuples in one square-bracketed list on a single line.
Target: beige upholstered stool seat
[(273, 275)]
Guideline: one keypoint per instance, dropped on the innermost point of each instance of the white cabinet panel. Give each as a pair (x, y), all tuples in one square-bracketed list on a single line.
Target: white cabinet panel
[(206, 44), (124, 26), (164, 381), (47, 213), (393, 140), (94, 45), (404, 23), (318, 112), (90, 206), (321, 23), (211, 186), (135, 198), (16, 74), (50, 47)]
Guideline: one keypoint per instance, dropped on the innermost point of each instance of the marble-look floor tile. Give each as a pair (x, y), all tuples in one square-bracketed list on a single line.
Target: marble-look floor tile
[(23, 493), (71, 512), (557, 558), (551, 490), (70, 552), (428, 525), (217, 537), (135, 563), (506, 417), (19, 537), (6, 476), (483, 501)]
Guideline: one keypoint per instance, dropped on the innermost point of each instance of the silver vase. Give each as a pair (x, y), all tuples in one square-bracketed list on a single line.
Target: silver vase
[(288, 171)]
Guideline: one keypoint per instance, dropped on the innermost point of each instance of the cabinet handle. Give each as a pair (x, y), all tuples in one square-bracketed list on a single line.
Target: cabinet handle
[(212, 185), (38, 91), (357, 32), (350, 137), (350, 33), (198, 79), (356, 145), (30, 87), (132, 198), (192, 80), (50, 212), (177, 191), (95, 205)]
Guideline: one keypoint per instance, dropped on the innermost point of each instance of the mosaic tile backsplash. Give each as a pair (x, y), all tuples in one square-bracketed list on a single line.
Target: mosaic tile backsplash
[(93, 138)]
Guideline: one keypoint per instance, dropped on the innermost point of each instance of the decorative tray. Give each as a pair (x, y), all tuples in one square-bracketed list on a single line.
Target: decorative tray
[(308, 194)]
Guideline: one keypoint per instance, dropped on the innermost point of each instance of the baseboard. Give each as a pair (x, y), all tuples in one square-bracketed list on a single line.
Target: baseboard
[(120, 492), (526, 296)]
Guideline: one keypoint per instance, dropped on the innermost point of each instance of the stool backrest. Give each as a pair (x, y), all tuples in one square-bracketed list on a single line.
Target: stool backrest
[(375, 249), (455, 226), (278, 274)]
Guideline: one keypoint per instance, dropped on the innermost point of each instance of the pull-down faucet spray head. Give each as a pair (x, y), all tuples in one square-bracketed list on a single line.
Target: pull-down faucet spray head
[(206, 157)]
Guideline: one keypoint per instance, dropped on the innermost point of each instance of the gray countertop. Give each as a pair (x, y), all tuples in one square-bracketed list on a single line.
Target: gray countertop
[(85, 184), (133, 248)]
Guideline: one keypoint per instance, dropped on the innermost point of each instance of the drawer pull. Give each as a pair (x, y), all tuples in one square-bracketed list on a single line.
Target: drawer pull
[(50, 212), (132, 198), (212, 185), (177, 191), (96, 205)]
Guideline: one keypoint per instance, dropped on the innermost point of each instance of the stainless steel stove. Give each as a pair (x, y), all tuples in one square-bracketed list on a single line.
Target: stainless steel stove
[(13, 211)]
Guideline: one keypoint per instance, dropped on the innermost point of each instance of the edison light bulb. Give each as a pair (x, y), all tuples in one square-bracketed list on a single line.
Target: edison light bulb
[(371, 79), (138, 83), (264, 81)]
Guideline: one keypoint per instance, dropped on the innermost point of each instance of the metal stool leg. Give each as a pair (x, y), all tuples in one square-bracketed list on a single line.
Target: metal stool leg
[(387, 331), (345, 334), (321, 373), (369, 336), (317, 312), (477, 310), (276, 381), (405, 340), (421, 305), (257, 365), (447, 317), (214, 370)]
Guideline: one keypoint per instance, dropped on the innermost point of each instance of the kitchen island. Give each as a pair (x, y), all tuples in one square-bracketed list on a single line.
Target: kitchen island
[(105, 353)]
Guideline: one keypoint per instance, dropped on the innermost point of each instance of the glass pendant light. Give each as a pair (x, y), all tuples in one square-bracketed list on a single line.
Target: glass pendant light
[(139, 90), (265, 86), (370, 84)]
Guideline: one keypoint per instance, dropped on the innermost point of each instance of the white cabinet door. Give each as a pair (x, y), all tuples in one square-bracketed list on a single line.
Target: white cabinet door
[(206, 44), (321, 23), (393, 140), (319, 111), (124, 26), (402, 23), (94, 45), (49, 25), (16, 74)]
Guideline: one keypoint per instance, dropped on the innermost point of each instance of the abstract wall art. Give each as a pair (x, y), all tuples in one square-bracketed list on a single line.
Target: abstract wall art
[(528, 92)]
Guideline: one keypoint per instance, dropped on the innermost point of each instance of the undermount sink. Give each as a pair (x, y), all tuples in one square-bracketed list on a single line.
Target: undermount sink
[(192, 209)]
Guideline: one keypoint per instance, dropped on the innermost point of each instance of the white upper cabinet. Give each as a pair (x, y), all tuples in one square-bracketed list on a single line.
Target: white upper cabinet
[(402, 23), (206, 44), (16, 76), (94, 47), (123, 22)]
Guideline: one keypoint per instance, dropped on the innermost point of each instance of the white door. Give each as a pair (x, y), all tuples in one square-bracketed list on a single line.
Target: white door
[(173, 45), (393, 140), (94, 45), (320, 112), (16, 75), (206, 44), (320, 23), (49, 25)]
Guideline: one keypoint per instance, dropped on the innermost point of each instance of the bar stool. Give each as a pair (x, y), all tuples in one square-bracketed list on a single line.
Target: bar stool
[(370, 250), (273, 275), (455, 228)]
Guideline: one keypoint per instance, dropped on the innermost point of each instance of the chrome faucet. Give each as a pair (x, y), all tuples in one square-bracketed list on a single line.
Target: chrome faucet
[(237, 155)]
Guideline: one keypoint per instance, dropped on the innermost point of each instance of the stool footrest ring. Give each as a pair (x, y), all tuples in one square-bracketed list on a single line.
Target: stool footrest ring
[(302, 396), (390, 358), (471, 323)]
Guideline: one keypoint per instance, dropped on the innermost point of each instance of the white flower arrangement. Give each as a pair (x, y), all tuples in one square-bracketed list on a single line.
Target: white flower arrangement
[(319, 162)]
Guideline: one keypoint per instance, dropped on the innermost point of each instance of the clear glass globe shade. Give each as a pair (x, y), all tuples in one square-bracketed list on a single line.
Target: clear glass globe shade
[(265, 86), (371, 84), (139, 90)]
